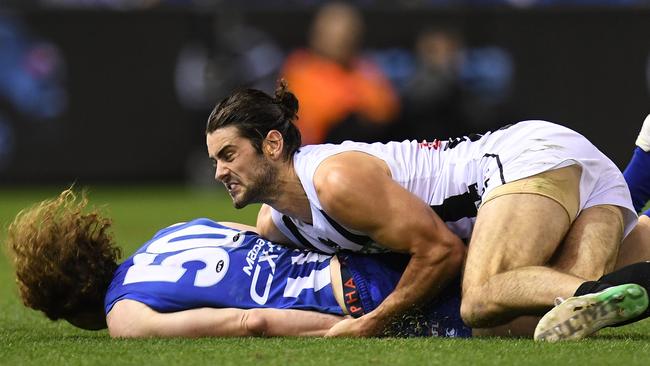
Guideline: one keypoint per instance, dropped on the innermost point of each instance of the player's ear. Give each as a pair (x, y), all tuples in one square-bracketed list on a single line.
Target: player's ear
[(273, 144)]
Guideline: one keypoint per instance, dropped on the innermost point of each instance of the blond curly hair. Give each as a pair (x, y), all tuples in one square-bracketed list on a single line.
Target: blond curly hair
[(64, 256)]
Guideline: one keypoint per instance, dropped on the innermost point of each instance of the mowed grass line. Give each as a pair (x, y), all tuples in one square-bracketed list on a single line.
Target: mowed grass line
[(27, 337)]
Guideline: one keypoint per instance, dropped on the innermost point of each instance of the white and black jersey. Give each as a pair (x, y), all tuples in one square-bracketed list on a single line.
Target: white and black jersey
[(451, 176)]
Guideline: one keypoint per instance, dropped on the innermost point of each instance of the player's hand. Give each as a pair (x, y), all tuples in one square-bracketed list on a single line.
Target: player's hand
[(360, 327)]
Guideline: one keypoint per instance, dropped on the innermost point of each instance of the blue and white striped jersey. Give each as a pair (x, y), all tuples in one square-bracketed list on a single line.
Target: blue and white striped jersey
[(203, 264)]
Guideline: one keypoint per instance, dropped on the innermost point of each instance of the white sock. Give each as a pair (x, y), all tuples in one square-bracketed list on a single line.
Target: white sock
[(643, 141)]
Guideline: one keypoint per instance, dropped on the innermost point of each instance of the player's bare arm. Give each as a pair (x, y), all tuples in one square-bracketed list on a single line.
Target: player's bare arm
[(266, 228), (133, 319), (356, 189)]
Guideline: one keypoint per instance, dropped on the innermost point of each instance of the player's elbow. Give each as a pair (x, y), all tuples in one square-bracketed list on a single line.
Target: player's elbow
[(448, 251), (456, 249), (254, 323)]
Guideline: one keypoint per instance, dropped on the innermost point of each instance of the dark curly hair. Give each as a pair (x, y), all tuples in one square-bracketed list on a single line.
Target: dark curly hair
[(255, 113), (64, 257)]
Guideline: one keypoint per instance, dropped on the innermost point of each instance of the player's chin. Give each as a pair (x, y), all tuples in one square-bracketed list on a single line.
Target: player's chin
[(239, 201)]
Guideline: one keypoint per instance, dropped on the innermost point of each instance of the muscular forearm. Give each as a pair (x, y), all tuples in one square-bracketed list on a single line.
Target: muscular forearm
[(359, 193), (423, 278)]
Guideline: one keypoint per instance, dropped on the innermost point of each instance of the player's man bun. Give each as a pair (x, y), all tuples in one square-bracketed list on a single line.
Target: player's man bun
[(287, 100)]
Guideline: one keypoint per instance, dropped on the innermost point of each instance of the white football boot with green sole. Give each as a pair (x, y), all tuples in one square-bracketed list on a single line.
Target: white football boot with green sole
[(579, 316)]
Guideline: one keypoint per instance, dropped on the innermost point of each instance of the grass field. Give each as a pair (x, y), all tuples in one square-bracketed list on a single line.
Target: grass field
[(27, 337)]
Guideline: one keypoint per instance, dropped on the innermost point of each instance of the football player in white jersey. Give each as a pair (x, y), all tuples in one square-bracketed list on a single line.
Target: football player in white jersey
[(545, 209)]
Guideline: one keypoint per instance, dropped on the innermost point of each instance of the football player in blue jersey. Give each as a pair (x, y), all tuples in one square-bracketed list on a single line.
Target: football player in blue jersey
[(201, 278), (637, 176)]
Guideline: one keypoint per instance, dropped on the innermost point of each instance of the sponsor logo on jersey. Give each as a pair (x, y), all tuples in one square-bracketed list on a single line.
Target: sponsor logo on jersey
[(259, 254), (350, 293)]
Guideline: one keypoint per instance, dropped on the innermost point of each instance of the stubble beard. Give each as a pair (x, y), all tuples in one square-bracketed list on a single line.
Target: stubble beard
[(261, 187)]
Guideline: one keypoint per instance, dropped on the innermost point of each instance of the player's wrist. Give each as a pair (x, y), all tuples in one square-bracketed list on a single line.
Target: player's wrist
[(378, 319)]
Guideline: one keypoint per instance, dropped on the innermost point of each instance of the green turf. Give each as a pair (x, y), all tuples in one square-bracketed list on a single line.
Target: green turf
[(27, 337)]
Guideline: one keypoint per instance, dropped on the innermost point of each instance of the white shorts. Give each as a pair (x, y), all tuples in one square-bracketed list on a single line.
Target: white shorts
[(532, 147)]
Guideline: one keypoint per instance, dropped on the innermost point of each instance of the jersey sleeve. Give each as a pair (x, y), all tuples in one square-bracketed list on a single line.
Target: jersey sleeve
[(148, 300)]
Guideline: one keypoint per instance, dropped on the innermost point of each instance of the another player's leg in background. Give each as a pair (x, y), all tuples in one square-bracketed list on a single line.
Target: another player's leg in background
[(636, 247), (637, 173)]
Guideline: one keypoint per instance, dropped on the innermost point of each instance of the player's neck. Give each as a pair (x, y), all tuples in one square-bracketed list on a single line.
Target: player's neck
[(290, 197)]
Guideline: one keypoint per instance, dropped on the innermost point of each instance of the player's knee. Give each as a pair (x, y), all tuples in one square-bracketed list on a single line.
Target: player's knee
[(470, 310), (475, 311)]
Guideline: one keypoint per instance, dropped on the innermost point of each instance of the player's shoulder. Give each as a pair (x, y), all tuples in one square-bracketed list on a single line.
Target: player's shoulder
[(344, 176), (348, 167)]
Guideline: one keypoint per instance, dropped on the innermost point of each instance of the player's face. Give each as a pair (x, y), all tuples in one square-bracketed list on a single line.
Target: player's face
[(247, 174)]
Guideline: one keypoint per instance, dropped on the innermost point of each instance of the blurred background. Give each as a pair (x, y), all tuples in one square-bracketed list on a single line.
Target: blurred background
[(118, 91)]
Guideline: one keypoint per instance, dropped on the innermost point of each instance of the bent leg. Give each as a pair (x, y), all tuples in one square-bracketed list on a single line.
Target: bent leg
[(632, 266), (576, 257), (591, 246), (514, 237)]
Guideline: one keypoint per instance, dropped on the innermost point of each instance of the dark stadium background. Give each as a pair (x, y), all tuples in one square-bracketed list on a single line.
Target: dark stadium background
[(122, 121), (107, 95)]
